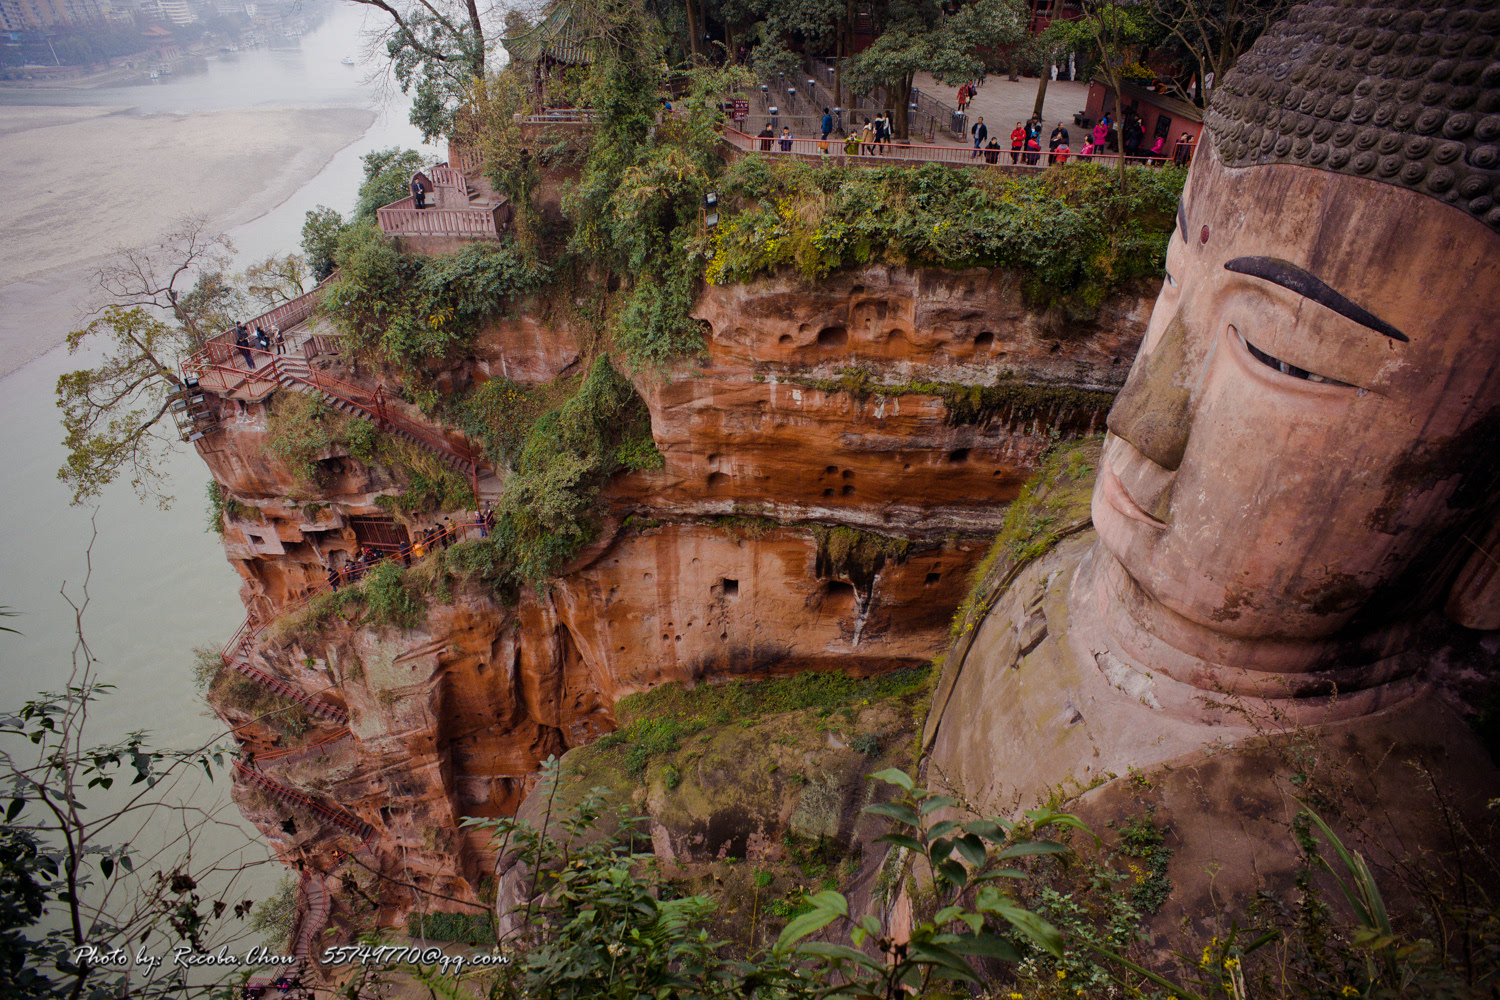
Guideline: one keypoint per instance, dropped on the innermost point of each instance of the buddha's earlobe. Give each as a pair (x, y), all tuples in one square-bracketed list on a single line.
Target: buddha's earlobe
[(1474, 599)]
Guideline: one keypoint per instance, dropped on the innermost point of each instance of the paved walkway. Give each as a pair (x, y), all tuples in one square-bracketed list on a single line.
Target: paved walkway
[(1003, 103)]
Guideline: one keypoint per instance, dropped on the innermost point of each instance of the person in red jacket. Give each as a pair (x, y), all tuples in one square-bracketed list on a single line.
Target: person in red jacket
[(1017, 141)]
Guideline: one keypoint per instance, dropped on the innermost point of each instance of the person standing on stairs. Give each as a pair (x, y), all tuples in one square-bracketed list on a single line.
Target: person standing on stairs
[(279, 338), (242, 341)]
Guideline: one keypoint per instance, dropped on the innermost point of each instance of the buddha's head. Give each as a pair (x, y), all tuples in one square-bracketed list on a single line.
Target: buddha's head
[(1307, 451)]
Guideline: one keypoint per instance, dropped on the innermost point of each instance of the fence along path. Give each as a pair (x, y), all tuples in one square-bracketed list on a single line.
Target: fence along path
[(290, 796), (909, 152), (235, 653)]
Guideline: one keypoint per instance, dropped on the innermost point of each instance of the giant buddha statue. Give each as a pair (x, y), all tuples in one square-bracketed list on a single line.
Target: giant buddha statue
[(1296, 510)]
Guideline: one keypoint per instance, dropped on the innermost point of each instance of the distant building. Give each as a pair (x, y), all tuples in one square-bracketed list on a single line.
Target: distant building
[(176, 11), (30, 15)]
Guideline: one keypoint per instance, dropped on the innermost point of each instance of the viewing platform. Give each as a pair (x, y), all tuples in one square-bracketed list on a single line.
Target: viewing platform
[(456, 213)]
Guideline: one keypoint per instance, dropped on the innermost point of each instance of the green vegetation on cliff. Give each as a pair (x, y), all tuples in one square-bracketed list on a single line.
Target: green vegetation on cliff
[(1072, 232)]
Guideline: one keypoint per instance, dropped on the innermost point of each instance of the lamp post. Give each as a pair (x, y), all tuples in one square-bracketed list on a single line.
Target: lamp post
[(710, 209)]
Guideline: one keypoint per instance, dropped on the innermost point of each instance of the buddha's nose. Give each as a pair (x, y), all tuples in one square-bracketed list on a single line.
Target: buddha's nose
[(1153, 411)]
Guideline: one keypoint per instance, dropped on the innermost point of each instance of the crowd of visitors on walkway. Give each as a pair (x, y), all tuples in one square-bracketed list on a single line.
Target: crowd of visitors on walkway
[(438, 536), (258, 340), (1104, 140)]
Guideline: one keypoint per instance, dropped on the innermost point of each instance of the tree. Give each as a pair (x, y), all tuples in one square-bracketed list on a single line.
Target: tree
[(436, 47), (1212, 34), (320, 240), (78, 871), (917, 36), (1114, 32), (112, 413), (153, 277), (387, 174), (277, 279)]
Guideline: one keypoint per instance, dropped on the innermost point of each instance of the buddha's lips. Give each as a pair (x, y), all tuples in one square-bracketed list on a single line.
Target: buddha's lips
[(1114, 492)]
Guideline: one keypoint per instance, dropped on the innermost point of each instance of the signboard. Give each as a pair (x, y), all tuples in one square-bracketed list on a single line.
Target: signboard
[(741, 109)]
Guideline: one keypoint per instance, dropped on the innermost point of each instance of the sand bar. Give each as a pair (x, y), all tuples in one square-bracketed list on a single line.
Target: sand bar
[(78, 184)]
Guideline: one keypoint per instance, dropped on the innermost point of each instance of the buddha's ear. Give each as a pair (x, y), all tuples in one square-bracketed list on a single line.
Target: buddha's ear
[(1474, 600)]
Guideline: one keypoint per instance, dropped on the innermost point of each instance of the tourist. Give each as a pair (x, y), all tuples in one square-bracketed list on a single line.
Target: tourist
[(980, 133), (851, 144), (262, 341), (867, 138), (418, 550), (447, 531), (278, 339), (1085, 154), (992, 152), (765, 137), (963, 97), (1159, 151), (1183, 155), (884, 132), (1059, 137), (1135, 134), (333, 579), (786, 139), (242, 341), (1101, 133), (1033, 152), (1017, 142), (1060, 154), (827, 127), (418, 191)]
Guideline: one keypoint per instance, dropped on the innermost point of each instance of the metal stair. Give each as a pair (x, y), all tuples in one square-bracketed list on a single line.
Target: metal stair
[(286, 377)]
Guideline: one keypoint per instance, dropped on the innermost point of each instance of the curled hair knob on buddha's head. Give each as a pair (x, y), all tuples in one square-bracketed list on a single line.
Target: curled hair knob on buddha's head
[(1400, 91)]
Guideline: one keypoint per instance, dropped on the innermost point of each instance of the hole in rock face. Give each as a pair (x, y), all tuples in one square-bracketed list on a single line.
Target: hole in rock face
[(848, 473), (717, 480), (933, 578), (984, 340), (838, 588), (785, 338), (906, 467), (848, 491), (958, 455), (830, 469), (833, 336), (731, 587), (828, 492)]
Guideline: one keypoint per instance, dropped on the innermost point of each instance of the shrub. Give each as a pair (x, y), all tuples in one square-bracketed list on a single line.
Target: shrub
[(1070, 231)]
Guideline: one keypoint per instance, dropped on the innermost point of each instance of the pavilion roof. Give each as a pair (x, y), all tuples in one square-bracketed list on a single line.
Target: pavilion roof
[(559, 37)]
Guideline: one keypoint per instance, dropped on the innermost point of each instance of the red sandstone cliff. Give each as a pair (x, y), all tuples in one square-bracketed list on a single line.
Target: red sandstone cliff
[(856, 402)]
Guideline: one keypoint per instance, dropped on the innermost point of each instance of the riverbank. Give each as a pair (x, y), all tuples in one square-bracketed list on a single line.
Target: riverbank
[(82, 180)]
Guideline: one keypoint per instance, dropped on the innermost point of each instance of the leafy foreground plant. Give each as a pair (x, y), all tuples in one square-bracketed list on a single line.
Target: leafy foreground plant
[(596, 924)]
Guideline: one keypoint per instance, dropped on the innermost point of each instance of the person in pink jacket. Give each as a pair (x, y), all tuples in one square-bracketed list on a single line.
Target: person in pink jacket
[(1158, 151)]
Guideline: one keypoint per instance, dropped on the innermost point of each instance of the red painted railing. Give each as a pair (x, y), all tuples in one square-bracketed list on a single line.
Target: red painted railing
[(287, 753), (288, 690), (284, 316), (312, 916), (364, 831), (271, 369), (902, 152), (445, 176), (468, 161)]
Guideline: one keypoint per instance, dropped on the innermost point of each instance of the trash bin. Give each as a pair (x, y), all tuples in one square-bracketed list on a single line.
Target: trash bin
[(960, 123)]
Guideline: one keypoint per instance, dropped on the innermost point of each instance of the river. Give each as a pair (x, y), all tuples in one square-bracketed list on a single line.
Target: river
[(160, 583)]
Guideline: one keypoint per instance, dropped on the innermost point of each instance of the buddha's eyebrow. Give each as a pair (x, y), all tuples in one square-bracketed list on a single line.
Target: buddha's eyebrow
[(1182, 221), (1294, 278)]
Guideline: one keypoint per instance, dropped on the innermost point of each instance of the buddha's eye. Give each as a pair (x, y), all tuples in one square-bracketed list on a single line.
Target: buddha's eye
[(1171, 280), (1284, 367)]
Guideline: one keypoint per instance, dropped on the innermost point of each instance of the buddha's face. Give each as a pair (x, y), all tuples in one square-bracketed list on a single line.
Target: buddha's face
[(1311, 426)]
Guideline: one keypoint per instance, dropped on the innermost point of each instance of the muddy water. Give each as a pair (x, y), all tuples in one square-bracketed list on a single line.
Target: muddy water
[(160, 584)]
